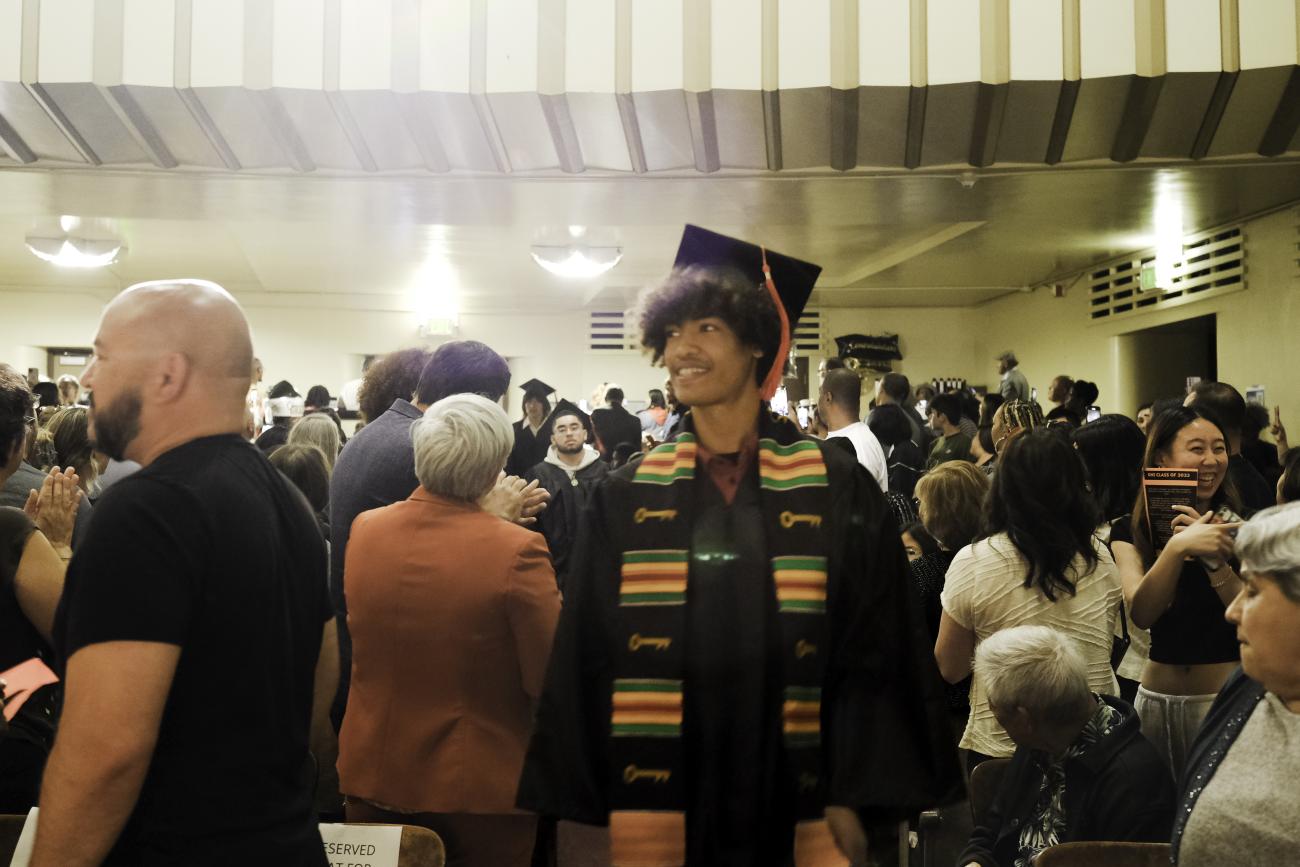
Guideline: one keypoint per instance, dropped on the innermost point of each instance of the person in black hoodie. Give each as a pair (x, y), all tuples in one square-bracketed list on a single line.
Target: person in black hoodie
[(615, 425), (1082, 769)]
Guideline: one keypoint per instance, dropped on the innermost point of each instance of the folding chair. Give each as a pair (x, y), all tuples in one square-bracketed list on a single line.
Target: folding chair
[(1105, 854)]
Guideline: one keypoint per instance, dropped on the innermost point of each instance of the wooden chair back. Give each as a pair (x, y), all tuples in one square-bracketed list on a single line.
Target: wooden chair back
[(1105, 854), (984, 783)]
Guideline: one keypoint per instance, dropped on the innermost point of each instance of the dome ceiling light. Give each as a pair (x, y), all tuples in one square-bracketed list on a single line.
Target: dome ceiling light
[(76, 243), (576, 262), (575, 257)]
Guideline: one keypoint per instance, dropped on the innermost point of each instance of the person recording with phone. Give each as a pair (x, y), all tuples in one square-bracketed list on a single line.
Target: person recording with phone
[(1180, 592)]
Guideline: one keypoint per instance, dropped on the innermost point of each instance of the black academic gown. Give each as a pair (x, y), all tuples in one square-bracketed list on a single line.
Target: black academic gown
[(886, 736), (560, 520), (529, 449)]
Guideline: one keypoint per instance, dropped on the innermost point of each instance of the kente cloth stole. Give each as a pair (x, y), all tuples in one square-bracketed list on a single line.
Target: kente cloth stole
[(648, 785)]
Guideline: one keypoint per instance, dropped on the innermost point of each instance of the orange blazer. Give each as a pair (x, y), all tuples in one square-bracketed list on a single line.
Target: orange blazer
[(451, 612)]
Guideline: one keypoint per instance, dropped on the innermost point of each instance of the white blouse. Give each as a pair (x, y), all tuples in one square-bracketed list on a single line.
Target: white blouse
[(985, 591)]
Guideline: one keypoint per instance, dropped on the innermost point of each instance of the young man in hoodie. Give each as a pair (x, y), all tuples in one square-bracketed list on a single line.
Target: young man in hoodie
[(569, 471)]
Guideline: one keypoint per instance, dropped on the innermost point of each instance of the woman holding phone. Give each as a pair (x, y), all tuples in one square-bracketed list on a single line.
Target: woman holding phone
[(1180, 592)]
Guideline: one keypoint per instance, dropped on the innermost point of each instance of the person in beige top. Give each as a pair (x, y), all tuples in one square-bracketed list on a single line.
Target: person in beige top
[(1040, 562), (451, 611)]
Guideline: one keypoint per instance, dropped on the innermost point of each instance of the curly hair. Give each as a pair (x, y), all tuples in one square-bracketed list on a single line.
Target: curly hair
[(394, 376), (696, 293)]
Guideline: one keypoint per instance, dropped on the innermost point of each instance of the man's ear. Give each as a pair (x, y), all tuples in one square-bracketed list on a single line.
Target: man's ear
[(172, 375)]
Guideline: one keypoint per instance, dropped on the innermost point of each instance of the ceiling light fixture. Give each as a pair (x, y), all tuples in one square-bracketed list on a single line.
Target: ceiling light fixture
[(75, 252), (576, 262), (436, 293)]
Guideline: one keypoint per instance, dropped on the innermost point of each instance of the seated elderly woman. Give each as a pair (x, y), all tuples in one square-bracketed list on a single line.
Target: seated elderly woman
[(451, 612), (1239, 803), (1082, 769)]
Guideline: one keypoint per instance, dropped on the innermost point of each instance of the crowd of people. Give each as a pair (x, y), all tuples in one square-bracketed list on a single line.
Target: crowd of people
[(731, 638)]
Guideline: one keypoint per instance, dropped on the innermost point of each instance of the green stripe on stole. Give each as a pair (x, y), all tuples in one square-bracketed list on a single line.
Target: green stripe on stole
[(654, 532)]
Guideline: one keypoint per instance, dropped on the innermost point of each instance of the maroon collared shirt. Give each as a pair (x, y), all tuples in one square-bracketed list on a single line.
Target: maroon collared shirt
[(726, 470)]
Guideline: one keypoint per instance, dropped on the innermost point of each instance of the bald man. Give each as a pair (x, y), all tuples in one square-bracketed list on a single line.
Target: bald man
[(194, 614)]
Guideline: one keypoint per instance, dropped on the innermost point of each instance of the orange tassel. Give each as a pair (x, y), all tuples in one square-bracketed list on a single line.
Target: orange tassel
[(772, 381)]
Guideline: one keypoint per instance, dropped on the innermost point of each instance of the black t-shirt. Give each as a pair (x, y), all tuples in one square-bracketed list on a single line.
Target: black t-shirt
[(211, 549), (1192, 630)]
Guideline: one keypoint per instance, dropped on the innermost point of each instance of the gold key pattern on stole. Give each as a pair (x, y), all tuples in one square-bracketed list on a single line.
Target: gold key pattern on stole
[(790, 519), (643, 514), (632, 773), (638, 641)]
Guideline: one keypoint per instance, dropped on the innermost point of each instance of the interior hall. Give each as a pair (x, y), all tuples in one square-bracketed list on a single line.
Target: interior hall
[(650, 432)]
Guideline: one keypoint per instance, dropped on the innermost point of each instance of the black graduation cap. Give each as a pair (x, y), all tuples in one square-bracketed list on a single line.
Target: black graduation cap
[(793, 279), (566, 407), (535, 387)]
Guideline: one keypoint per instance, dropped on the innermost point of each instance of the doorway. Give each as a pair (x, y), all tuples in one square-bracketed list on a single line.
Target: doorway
[(68, 362), (1157, 362)]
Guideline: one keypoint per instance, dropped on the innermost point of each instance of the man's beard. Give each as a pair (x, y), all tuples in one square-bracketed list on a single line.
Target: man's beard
[(570, 450), (115, 427)]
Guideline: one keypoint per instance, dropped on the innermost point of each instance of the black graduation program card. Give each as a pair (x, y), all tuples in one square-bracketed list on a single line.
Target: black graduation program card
[(1163, 489)]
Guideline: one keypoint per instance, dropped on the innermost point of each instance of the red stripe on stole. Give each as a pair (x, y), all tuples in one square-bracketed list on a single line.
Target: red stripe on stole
[(654, 576)]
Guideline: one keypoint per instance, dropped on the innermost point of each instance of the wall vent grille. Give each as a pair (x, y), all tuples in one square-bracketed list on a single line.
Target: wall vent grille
[(609, 331), (809, 337), (1213, 263)]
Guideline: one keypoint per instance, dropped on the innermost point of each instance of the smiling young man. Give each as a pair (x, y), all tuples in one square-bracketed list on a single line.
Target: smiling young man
[(741, 672)]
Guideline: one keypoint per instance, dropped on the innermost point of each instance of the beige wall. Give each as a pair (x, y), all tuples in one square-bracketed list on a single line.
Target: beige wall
[(1258, 335), (1258, 328)]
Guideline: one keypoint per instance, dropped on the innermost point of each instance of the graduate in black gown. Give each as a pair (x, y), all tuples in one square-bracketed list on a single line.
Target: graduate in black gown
[(742, 673), (569, 472), (531, 442)]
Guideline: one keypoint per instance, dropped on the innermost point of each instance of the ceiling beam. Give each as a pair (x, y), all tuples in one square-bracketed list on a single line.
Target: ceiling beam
[(1213, 114), (1286, 120), (13, 143), (623, 86), (331, 78), (182, 54)]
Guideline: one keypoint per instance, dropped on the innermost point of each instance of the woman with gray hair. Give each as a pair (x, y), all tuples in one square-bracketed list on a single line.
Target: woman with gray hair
[(1082, 769), (1239, 803), (451, 611)]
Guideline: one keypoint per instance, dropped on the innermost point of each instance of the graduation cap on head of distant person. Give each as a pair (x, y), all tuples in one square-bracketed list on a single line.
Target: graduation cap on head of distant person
[(789, 281), (566, 407), (536, 388)]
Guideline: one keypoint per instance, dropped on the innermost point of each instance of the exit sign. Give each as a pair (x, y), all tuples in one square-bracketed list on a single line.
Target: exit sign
[(1147, 279)]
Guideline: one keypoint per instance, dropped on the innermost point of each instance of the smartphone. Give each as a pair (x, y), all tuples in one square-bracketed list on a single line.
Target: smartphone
[(1225, 515), (1033, 394), (1094, 413), (781, 401), (804, 416), (922, 406)]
